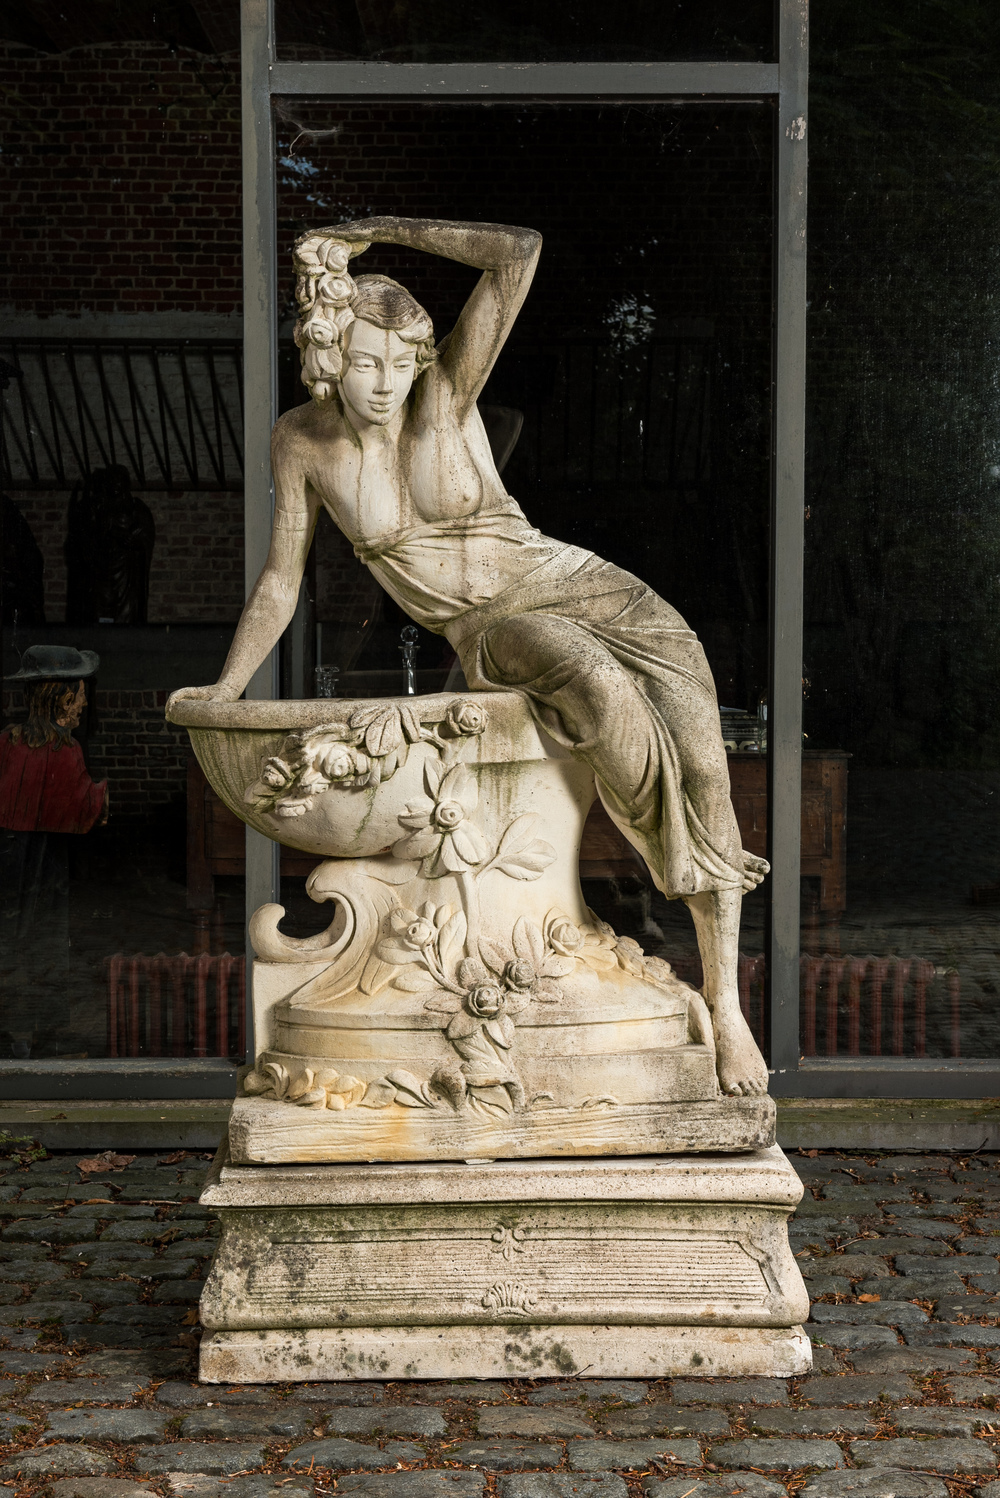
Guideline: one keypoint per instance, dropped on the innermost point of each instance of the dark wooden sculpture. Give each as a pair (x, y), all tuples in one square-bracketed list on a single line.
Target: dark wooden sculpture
[(109, 548)]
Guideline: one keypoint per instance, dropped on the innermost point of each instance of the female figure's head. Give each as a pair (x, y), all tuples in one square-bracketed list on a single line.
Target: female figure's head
[(369, 339)]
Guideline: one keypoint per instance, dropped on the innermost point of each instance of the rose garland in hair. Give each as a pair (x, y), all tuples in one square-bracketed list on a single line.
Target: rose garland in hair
[(323, 290)]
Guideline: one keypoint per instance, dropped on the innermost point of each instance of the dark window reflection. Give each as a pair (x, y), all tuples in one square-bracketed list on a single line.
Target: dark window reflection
[(517, 31), (118, 908), (902, 559)]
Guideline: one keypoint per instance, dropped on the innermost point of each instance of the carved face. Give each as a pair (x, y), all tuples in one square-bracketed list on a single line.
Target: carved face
[(71, 707), (378, 373)]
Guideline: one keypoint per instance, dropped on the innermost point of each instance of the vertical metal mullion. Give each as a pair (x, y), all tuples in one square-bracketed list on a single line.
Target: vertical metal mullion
[(787, 534), (260, 381)]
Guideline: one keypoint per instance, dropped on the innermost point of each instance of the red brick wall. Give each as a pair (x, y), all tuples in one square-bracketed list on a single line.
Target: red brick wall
[(142, 755), (121, 180), (197, 571), (341, 580), (121, 177)]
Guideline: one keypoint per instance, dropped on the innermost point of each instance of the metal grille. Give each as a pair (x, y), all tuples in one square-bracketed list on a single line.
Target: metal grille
[(171, 412)]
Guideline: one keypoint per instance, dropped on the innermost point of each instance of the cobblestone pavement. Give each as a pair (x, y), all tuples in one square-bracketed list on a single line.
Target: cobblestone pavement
[(99, 1281)]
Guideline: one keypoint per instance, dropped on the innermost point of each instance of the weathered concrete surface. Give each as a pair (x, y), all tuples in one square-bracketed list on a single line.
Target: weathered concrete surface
[(546, 1259), (531, 1352)]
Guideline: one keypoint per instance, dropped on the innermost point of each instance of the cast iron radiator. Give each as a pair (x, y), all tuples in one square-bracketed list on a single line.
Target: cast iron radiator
[(176, 1005)]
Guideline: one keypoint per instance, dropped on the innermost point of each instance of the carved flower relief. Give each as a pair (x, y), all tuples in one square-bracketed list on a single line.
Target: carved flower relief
[(408, 935), (563, 937), (483, 1002), (368, 749), (276, 773), (441, 832), (466, 718), (309, 1089)]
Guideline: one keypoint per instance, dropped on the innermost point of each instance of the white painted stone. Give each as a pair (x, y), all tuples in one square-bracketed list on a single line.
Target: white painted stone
[(463, 1000), (262, 1131), (762, 1177), (463, 1003), (536, 1247), (428, 1352)]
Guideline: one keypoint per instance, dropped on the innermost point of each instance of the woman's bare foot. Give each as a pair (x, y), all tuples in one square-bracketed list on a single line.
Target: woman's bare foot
[(738, 1062), (755, 870)]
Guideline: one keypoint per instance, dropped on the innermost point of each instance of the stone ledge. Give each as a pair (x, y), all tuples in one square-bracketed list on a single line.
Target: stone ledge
[(504, 1352), (810, 1123), (761, 1177), (264, 1132)]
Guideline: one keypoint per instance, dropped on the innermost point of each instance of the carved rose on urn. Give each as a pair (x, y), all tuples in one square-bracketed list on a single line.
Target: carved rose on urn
[(442, 833), (485, 1001), (466, 718)]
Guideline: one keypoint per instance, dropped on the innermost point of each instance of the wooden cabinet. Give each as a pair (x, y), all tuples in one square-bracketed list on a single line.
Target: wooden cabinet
[(606, 854), (824, 817)]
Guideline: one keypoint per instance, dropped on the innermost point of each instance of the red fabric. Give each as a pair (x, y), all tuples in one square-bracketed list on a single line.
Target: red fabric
[(47, 789)]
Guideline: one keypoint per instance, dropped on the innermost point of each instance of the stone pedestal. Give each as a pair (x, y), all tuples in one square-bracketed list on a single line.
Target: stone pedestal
[(483, 1134), (462, 1002), (642, 1267)]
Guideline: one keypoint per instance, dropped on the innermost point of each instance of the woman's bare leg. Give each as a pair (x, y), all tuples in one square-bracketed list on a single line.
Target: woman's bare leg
[(608, 721), (739, 1064)]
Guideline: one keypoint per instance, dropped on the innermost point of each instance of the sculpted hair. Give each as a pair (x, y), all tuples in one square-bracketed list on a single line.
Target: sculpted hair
[(330, 300)]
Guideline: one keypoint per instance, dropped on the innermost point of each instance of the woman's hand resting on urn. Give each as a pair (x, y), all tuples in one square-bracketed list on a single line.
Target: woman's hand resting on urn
[(220, 692)]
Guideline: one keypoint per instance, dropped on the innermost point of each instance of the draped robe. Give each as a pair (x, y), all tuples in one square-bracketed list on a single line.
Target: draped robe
[(611, 671)]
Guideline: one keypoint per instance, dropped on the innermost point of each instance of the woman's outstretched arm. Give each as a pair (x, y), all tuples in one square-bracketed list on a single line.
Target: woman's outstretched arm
[(269, 609), (507, 256)]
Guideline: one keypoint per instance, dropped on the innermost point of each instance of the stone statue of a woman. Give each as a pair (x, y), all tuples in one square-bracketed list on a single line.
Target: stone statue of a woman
[(393, 445)]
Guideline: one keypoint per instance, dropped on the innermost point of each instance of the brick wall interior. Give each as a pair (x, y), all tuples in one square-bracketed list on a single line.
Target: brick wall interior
[(197, 569), (122, 180)]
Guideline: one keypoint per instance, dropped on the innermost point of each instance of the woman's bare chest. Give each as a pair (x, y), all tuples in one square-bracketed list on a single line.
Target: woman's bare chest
[(384, 482)]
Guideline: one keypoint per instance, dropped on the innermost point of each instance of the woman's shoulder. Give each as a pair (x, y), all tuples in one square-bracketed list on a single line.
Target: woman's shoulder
[(296, 430)]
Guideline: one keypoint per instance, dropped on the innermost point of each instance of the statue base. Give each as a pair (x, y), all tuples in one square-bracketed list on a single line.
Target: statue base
[(264, 1132), (628, 1268)]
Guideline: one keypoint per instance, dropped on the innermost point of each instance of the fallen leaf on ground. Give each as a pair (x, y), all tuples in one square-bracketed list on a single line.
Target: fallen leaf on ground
[(174, 1159), (106, 1161)]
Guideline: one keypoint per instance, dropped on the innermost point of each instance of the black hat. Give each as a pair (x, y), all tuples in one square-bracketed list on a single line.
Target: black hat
[(56, 663)]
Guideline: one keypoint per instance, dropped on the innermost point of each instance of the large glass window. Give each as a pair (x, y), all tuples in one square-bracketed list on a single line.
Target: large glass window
[(121, 460), (901, 918), (121, 921)]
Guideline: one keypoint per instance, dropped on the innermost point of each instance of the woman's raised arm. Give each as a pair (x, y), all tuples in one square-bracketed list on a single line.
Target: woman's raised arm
[(507, 256)]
